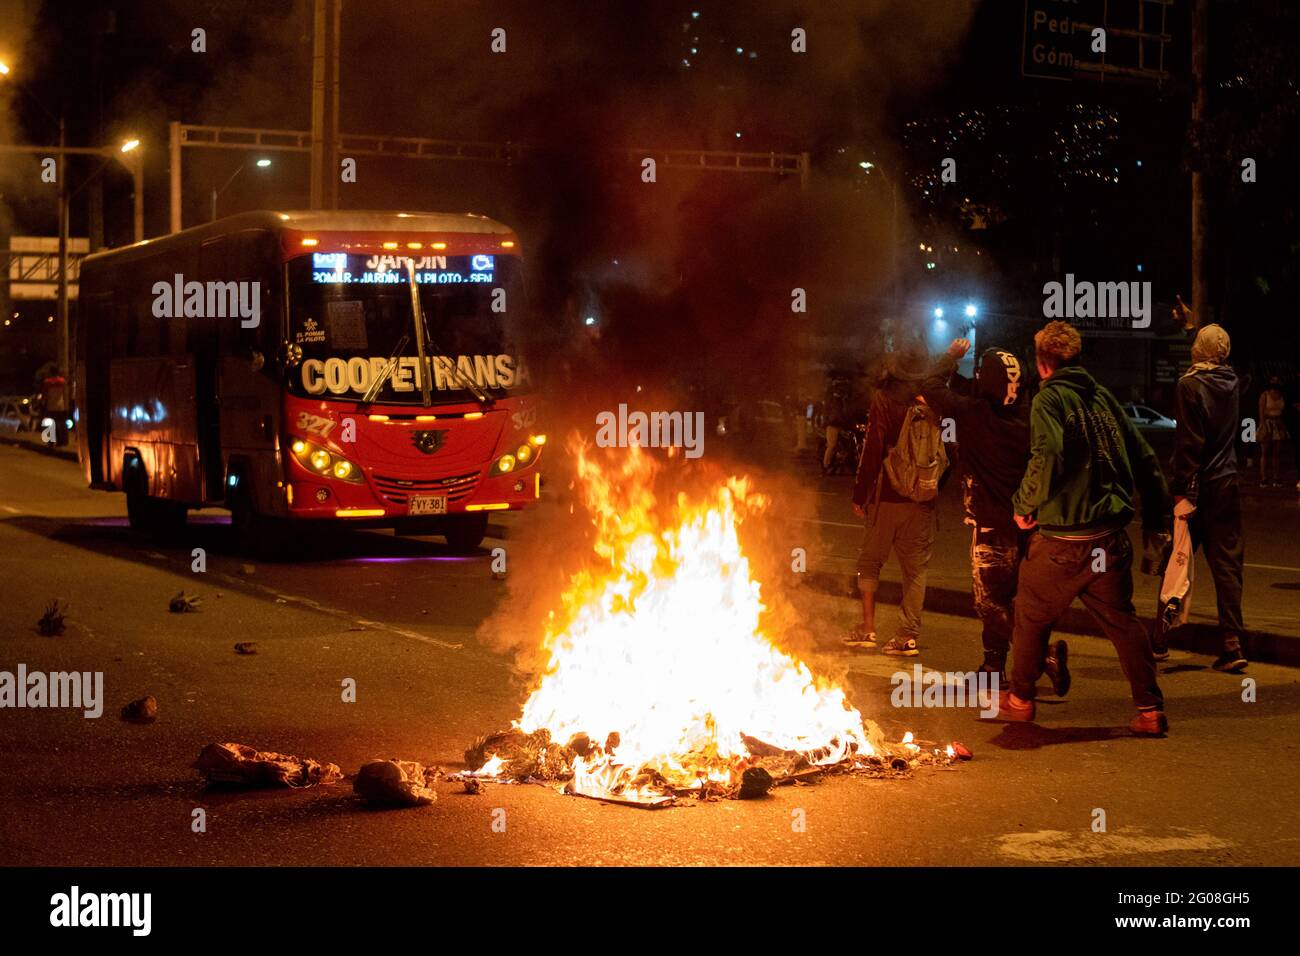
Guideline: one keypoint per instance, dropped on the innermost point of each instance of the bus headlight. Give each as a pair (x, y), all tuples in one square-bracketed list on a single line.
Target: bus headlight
[(521, 457), (323, 462)]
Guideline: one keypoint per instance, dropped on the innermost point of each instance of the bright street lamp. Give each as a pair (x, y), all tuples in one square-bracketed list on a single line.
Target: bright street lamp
[(261, 163)]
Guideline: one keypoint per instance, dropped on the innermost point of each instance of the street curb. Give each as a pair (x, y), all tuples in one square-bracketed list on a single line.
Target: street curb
[(56, 451), (1263, 646)]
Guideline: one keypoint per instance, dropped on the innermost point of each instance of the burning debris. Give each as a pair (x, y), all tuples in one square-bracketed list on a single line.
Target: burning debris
[(241, 765), (51, 623), (661, 681), (400, 783)]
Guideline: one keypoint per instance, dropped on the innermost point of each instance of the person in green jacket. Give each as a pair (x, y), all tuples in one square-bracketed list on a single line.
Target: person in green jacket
[(1086, 461)]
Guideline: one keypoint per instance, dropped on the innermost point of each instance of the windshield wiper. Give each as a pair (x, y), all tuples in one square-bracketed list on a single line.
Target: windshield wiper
[(369, 398), (422, 338)]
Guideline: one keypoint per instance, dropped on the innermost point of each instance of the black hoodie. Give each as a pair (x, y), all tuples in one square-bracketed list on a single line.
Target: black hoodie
[(994, 445), (1207, 402)]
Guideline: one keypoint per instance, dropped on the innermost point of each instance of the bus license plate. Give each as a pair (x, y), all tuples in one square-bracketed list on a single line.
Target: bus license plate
[(428, 505)]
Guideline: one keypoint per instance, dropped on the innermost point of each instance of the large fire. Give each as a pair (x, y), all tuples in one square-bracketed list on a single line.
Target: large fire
[(660, 679)]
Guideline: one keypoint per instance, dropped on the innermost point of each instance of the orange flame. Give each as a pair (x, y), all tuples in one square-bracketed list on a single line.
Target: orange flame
[(660, 643)]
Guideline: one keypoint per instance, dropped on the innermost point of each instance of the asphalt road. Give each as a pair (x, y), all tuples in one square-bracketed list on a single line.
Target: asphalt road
[(1219, 791)]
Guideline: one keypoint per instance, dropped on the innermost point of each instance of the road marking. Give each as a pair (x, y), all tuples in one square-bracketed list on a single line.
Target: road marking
[(12, 511), (280, 596), (1273, 567), (1059, 846), (834, 524)]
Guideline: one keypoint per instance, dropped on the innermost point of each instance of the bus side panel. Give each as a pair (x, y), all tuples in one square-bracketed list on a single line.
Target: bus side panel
[(250, 426), (153, 413), (91, 387)]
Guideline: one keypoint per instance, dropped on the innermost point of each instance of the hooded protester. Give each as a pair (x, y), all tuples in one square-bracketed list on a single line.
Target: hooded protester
[(991, 419), (898, 519), (1204, 486), (1086, 461)]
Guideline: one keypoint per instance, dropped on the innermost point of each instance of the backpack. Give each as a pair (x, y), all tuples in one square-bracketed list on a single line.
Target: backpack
[(918, 459)]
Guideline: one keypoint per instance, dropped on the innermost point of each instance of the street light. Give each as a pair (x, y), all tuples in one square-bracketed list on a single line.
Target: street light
[(130, 144), (971, 310), (867, 166), (261, 163)]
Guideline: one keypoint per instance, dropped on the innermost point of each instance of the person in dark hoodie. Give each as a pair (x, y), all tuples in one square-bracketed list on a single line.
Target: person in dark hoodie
[(893, 522), (992, 430), (1204, 485), (1086, 460)]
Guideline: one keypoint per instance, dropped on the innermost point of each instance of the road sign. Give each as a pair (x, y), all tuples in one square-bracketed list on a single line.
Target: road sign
[(1095, 39)]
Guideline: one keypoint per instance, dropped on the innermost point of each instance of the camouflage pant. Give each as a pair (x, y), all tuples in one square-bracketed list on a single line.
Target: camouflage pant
[(994, 567)]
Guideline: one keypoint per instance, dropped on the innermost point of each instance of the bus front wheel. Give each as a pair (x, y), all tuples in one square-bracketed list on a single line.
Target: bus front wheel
[(465, 533), (256, 535)]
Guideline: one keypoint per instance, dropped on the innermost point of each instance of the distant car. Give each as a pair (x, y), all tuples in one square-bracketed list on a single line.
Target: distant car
[(1148, 418), (16, 414)]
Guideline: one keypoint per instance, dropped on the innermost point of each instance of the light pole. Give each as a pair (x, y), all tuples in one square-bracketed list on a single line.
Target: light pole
[(867, 167), (135, 163), (262, 163)]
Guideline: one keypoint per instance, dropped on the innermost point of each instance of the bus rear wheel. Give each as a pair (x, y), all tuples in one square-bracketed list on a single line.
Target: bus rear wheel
[(156, 517), (464, 533)]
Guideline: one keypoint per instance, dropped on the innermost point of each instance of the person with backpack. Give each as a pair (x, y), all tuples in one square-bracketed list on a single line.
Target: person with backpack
[(1086, 460), (991, 421), (903, 459)]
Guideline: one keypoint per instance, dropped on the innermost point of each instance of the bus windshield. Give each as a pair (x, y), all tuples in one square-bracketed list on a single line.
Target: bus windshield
[(351, 316)]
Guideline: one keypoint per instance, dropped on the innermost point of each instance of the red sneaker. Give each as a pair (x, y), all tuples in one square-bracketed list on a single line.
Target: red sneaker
[(1012, 708), (1150, 723)]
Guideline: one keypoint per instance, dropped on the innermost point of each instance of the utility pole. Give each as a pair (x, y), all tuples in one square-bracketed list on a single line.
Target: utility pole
[(64, 345), (324, 102), (174, 176), (1200, 301)]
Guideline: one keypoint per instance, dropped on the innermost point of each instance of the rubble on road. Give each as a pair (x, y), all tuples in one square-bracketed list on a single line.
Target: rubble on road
[(183, 602), (246, 647), (402, 783), (51, 623), (142, 711), (242, 765)]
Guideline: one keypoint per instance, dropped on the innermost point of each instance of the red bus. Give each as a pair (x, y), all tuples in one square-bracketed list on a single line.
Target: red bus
[(356, 368)]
